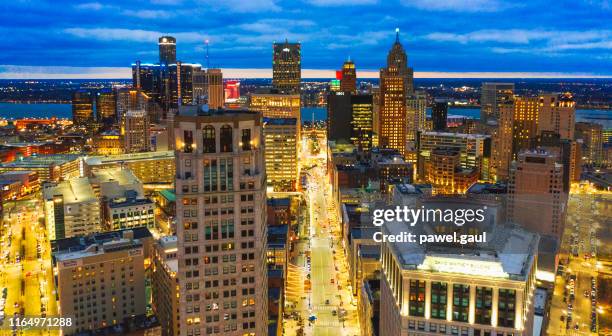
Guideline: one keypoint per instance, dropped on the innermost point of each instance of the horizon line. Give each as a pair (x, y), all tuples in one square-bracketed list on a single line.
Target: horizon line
[(65, 72)]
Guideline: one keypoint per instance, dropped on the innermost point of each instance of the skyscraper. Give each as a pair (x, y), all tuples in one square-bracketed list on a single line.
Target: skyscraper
[(348, 82), (491, 96), (221, 221), (439, 113), (286, 67), (338, 116), (106, 107), (280, 135), (167, 50), (592, 141), (82, 107), (136, 132), (536, 186), (502, 136), (416, 114), (361, 121), (214, 83), (557, 114)]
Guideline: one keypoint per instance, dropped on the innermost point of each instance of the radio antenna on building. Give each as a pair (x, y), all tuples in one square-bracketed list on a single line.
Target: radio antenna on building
[(207, 58)]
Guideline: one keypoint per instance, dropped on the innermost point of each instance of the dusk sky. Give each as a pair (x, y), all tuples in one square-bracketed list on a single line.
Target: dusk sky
[(439, 36)]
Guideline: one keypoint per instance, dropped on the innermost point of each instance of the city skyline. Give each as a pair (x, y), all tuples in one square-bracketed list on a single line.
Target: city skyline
[(472, 42)]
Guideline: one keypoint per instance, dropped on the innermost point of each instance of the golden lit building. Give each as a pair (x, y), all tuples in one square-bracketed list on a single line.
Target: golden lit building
[(444, 172), (486, 289), (362, 121), (108, 143), (395, 87), (348, 82), (502, 139), (136, 132), (281, 150), (214, 84), (82, 107), (149, 167), (592, 138), (165, 285), (287, 67), (273, 105), (106, 111)]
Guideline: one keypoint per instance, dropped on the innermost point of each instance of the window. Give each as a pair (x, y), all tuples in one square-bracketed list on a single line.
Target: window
[(506, 307), (417, 298), (246, 139), (225, 139), (461, 302), (484, 304), (439, 292), (188, 138), (208, 139)]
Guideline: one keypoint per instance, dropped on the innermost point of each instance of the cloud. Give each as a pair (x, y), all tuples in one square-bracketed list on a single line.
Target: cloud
[(335, 3), (243, 6), (134, 35), (267, 26), (90, 6), (148, 14), (459, 5)]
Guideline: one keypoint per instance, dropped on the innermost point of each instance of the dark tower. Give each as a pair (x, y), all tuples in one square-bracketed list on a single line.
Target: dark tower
[(287, 67), (167, 50)]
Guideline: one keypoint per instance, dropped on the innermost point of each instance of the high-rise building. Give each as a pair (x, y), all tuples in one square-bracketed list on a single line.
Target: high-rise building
[(287, 67), (492, 95), (107, 143), (71, 209), (536, 186), (416, 113), (100, 278), (361, 121), (557, 114), (82, 107), (396, 84), (281, 151), (214, 83), (136, 132), (591, 135), (276, 105), (348, 82), (221, 226), (502, 140), (439, 113), (165, 285), (167, 50), (339, 116), (485, 289), (474, 150), (106, 107), (525, 123)]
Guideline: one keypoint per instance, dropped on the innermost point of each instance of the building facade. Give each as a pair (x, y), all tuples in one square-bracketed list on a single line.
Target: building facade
[(492, 95), (136, 132), (281, 153), (82, 107), (287, 67), (221, 226)]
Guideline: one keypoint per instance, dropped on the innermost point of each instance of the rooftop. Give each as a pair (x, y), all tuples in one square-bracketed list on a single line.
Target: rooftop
[(100, 160), (75, 190), (41, 160)]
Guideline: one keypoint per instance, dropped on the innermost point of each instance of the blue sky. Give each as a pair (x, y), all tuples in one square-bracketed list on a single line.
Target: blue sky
[(440, 36)]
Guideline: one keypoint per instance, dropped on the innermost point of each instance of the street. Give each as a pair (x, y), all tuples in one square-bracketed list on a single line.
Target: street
[(25, 259), (318, 291)]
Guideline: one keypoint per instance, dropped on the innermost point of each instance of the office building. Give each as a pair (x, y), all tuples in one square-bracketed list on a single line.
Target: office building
[(71, 209), (444, 172), (474, 150), (287, 67), (485, 289), (54, 167), (149, 167), (492, 95), (165, 285), (273, 105), (122, 199), (221, 229), (100, 278), (107, 143), (136, 132), (348, 82), (82, 107), (214, 83), (167, 50), (502, 141), (395, 86), (281, 151), (557, 114), (536, 186), (361, 122), (106, 107), (439, 113), (416, 114), (339, 116), (591, 135)]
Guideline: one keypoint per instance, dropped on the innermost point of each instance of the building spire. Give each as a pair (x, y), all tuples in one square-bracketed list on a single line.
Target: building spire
[(397, 35)]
